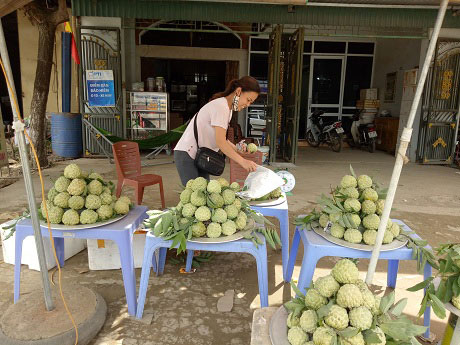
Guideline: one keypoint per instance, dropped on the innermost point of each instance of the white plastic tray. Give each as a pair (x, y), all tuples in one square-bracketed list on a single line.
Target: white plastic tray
[(278, 327), (81, 226), (268, 203)]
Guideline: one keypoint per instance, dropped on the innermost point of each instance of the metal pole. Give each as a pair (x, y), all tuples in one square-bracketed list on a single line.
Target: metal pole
[(19, 128), (405, 140)]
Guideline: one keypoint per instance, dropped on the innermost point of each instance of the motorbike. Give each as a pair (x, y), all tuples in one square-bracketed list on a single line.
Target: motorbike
[(321, 131), (360, 134)]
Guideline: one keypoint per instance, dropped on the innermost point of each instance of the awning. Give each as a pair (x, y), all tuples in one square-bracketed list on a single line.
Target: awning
[(8, 6), (241, 12)]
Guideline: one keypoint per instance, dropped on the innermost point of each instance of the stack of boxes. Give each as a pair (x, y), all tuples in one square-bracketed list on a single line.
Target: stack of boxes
[(369, 103)]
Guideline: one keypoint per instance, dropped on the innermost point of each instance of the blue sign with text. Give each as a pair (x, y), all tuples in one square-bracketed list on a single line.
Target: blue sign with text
[(100, 86)]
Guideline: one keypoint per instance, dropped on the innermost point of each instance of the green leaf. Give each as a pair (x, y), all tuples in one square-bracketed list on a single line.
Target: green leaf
[(324, 310), (421, 285), (455, 287), (386, 302), (398, 308), (348, 332), (296, 289), (441, 291), (370, 337), (438, 306), (352, 172)]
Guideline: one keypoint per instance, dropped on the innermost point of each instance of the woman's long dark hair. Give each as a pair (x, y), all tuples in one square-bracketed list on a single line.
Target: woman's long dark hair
[(246, 83)]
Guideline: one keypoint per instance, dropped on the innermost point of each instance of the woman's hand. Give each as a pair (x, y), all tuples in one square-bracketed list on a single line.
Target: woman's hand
[(248, 165)]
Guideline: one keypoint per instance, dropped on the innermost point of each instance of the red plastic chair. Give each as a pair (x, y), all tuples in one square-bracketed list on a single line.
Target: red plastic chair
[(237, 173), (128, 163)]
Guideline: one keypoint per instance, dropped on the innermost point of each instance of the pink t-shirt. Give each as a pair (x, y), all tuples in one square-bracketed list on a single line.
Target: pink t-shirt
[(214, 114)]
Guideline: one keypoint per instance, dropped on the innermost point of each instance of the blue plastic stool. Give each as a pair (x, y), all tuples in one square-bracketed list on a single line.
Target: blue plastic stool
[(121, 232), (316, 247), (279, 211), (153, 243)]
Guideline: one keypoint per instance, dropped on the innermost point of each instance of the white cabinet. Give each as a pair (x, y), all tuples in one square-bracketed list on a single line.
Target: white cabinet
[(149, 114)]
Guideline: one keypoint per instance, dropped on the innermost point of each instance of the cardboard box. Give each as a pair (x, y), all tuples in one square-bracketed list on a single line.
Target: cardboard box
[(365, 94)]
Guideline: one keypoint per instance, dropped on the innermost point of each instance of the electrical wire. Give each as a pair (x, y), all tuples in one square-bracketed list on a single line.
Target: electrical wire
[(43, 202)]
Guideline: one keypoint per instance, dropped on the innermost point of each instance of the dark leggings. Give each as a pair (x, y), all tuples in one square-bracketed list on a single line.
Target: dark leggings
[(186, 167)]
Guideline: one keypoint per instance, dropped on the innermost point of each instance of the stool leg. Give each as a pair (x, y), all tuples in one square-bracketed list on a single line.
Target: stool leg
[(292, 256), (139, 194), (260, 254), (145, 274), (427, 315), (161, 264), (393, 266), (284, 232), (189, 261), (310, 258), (162, 195), (127, 268), (59, 245), (17, 264)]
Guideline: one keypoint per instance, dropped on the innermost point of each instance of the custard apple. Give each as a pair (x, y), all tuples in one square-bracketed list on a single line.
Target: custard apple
[(296, 336), (326, 286), (354, 340), (368, 207), (235, 186), (42, 207), (88, 217), (241, 220), (198, 229), (61, 184), (228, 228), (371, 222), (292, 320), (388, 237), (323, 220), (252, 148), (200, 183), (379, 205), (120, 207), (55, 214), (337, 317), (76, 187), (395, 229), (214, 187), (214, 230), (237, 204), (105, 212), (215, 200), (229, 196), (189, 184), (345, 271), (314, 300), (376, 310), (348, 181), (125, 199), (349, 296), (223, 182), (70, 217), (456, 302), (275, 194), (364, 182), (308, 321), (93, 202), (95, 176), (72, 171), (361, 318), (232, 211), (337, 230), (76, 202), (106, 198), (350, 192), (95, 187), (198, 198), (352, 205), (179, 207), (188, 210), (219, 216), (369, 237), (334, 217), (368, 299), (84, 174), (377, 330), (62, 200), (323, 336), (52, 194), (202, 213), (354, 219), (353, 236), (370, 194), (361, 285), (185, 195)]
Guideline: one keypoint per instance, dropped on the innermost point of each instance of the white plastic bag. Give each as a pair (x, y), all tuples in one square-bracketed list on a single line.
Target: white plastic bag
[(259, 183)]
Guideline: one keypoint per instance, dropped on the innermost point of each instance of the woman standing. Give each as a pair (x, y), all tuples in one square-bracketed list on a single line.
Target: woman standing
[(212, 123)]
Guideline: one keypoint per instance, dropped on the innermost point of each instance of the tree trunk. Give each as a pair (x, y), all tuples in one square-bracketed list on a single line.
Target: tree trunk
[(46, 19), (41, 90)]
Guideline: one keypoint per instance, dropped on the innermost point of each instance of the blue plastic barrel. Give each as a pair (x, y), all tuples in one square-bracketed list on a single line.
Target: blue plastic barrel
[(66, 135)]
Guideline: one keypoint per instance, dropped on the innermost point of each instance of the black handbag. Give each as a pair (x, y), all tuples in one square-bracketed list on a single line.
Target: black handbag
[(206, 159)]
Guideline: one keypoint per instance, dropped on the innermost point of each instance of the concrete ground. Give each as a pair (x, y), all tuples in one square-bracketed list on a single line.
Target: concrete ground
[(184, 305)]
